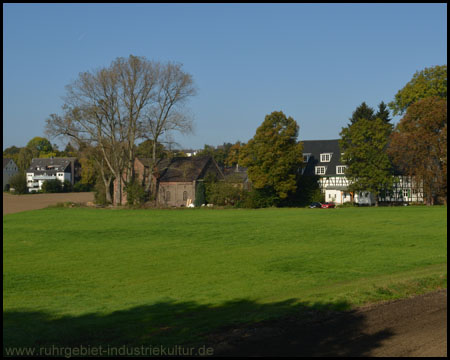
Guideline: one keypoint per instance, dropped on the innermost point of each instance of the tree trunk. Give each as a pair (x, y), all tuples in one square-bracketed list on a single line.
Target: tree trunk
[(118, 191), (107, 183)]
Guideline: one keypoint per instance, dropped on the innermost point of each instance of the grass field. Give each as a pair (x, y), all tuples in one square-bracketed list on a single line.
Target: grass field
[(95, 276)]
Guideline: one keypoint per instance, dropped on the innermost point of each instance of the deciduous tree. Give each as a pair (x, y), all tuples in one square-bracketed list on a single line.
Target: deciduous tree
[(166, 112), (273, 156), (364, 146), (430, 81), (19, 183), (40, 146), (418, 146), (110, 108), (24, 158), (233, 154)]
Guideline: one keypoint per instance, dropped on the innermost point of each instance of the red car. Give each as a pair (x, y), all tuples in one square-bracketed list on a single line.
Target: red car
[(328, 205)]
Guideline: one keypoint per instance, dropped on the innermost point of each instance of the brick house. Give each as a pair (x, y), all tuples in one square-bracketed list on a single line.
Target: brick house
[(175, 178)]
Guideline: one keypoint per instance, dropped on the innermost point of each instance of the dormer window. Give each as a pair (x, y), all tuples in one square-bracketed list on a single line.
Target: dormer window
[(340, 170), (325, 157), (306, 157), (320, 170)]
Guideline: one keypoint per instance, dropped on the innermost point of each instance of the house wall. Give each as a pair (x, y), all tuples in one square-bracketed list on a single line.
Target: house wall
[(403, 190), (64, 177), (8, 172), (142, 175), (176, 190), (337, 196), (36, 184)]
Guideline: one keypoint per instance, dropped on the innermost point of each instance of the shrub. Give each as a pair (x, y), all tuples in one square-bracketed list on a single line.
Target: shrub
[(19, 183), (347, 204), (52, 186), (136, 194), (200, 195), (67, 186), (308, 191), (259, 198), (317, 196), (223, 193), (100, 193), (80, 187)]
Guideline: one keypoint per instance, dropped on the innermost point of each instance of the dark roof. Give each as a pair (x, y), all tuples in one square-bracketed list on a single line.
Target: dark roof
[(181, 169), (236, 174), (47, 165), (6, 161), (317, 147)]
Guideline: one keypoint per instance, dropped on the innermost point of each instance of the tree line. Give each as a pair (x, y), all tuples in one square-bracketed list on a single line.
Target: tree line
[(132, 108), (373, 149)]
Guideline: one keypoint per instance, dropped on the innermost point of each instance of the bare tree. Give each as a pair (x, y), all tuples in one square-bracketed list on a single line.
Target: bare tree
[(110, 108), (167, 113), (105, 109)]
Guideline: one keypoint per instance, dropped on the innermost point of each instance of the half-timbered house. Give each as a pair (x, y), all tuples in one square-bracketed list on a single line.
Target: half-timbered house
[(323, 158)]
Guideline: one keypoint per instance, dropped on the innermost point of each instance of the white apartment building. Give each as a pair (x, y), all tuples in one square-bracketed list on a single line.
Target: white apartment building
[(41, 170)]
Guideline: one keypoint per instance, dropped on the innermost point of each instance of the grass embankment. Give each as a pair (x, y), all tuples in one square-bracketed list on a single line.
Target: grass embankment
[(96, 276)]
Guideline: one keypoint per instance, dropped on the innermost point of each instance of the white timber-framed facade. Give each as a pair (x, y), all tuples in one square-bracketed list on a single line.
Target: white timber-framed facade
[(324, 160)]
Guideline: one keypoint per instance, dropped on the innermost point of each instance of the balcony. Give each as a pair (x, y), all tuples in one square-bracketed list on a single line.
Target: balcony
[(44, 177)]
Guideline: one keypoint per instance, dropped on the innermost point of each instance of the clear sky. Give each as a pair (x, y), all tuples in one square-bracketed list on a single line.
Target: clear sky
[(314, 62)]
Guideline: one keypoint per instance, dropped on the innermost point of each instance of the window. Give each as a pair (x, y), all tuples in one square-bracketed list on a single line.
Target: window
[(167, 195), (325, 157), (320, 170), (405, 192), (340, 169), (306, 157), (184, 195)]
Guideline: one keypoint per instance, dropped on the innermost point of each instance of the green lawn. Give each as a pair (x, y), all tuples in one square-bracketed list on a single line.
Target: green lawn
[(76, 276)]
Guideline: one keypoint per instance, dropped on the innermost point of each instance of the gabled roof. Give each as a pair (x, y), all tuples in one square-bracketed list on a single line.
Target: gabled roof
[(6, 162), (182, 169), (49, 164), (236, 174), (317, 147)]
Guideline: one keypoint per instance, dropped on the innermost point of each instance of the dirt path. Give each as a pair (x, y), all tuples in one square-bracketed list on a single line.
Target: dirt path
[(17, 203), (412, 327)]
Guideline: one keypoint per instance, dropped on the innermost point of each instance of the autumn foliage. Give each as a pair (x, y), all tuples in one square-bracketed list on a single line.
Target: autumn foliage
[(418, 146)]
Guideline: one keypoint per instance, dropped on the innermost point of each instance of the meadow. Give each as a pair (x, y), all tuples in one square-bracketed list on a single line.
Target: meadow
[(76, 276)]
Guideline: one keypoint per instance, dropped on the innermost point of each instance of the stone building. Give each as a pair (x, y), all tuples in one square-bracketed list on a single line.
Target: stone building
[(175, 178)]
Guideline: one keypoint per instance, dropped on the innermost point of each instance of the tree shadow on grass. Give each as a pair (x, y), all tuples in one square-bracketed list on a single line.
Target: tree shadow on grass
[(233, 328)]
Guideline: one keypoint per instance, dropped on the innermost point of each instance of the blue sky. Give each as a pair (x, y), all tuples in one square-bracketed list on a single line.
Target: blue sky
[(314, 62)]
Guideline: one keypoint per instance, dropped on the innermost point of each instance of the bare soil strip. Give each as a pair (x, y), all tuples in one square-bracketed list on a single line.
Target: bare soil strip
[(17, 203), (411, 327)]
